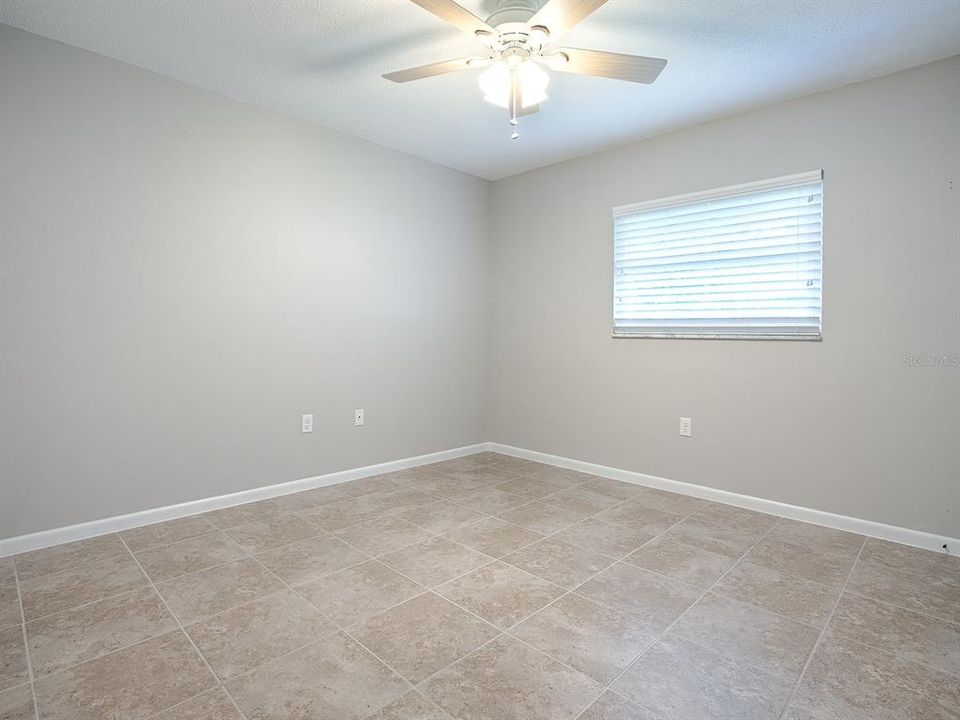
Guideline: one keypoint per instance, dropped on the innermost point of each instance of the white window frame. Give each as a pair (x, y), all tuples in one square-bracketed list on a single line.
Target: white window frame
[(728, 191)]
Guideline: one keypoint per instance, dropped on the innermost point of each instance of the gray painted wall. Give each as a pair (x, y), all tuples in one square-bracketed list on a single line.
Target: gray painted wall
[(843, 425), (181, 276)]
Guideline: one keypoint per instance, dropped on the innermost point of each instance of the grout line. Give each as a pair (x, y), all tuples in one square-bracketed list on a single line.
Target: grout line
[(176, 619), (693, 604), (823, 632), (26, 643)]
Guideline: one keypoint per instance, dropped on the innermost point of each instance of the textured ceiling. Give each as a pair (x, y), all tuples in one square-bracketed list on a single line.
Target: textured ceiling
[(322, 61)]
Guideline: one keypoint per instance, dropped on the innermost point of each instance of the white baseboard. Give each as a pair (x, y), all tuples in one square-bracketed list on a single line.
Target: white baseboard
[(82, 531), (905, 536)]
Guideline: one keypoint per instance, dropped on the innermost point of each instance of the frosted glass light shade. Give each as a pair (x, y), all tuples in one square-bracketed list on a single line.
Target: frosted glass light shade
[(495, 83)]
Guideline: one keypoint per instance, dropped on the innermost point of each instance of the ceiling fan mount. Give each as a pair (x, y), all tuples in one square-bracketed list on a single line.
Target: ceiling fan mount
[(518, 37)]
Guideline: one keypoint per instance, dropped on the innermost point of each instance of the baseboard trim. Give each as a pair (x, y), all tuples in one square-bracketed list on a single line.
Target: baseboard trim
[(905, 536), (84, 530)]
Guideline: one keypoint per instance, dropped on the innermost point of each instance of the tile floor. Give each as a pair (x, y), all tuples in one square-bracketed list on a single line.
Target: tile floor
[(480, 588)]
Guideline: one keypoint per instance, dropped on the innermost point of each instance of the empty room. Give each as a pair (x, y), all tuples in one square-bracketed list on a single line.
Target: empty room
[(480, 360)]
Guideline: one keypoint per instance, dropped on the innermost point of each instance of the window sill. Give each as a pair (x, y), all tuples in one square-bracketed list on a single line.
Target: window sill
[(719, 336)]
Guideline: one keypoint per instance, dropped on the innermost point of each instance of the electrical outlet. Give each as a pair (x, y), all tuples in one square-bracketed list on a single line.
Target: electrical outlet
[(306, 423), (358, 417), (686, 427)]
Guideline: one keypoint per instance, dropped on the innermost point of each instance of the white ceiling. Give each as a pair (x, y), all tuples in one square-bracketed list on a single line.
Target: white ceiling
[(322, 61)]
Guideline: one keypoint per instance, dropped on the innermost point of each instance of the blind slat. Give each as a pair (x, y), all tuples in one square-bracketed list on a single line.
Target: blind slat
[(744, 263)]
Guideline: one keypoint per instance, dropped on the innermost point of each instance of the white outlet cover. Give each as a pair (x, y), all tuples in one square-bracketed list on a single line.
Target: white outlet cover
[(686, 427), (358, 417), (306, 423)]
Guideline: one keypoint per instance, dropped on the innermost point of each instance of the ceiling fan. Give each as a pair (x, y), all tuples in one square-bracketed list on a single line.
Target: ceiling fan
[(519, 39)]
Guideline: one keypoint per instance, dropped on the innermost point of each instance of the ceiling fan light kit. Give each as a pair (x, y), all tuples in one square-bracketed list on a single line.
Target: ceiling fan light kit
[(518, 38)]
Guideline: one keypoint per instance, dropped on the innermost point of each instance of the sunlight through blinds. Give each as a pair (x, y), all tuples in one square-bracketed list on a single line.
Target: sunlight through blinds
[(742, 261)]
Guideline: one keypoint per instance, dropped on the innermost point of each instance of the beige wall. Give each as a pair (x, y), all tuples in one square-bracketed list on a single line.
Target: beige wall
[(843, 425), (181, 276)]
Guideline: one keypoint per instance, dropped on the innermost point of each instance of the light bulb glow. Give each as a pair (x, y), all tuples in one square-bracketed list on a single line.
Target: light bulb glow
[(495, 83)]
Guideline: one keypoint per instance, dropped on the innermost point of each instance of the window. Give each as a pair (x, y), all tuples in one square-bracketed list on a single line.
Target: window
[(737, 262)]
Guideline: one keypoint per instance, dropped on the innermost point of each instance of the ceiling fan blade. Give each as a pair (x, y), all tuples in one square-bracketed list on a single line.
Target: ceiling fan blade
[(438, 68), (558, 16), (529, 110), (633, 68), (455, 14)]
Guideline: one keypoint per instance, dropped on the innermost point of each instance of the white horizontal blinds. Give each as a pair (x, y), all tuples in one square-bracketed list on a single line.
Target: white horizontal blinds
[(742, 261)]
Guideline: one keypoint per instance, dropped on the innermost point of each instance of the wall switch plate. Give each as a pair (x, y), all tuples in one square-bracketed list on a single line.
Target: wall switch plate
[(686, 427), (358, 417), (306, 423)]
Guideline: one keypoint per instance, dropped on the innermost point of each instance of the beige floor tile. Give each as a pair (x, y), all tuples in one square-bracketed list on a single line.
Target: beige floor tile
[(334, 678), (686, 563), (414, 474), (422, 635), (381, 535), (613, 488), (643, 519), (507, 679), (597, 641), (411, 706), (367, 486), (494, 537), (9, 597), (187, 556), (446, 486), (611, 706), (490, 500), (241, 514), (731, 516), (825, 567), (80, 584), (581, 501), (569, 478), (354, 594), (796, 597), (849, 681), (677, 679), (69, 555), (435, 561), (605, 538), (750, 635), (211, 705), (295, 502), (164, 533), (134, 682), (730, 541), (462, 464), (559, 562), (248, 636), (821, 540), (74, 636), (903, 558), (487, 476), (273, 532), (655, 599), (17, 704), (500, 594), (209, 592), (520, 466), (401, 499), (441, 516), (918, 638), (923, 594), (540, 517), (533, 488), (310, 559), (13, 658), (343, 513), (669, 502)]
